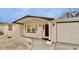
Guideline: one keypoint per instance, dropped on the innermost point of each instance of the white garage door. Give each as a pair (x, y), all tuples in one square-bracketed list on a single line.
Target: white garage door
[(68, 32)]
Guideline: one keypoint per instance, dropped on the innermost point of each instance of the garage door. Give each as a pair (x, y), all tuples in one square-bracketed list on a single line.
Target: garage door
[(68, 32)]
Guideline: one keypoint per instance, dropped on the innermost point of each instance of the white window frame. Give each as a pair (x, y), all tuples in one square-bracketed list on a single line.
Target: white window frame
[(31, 28)]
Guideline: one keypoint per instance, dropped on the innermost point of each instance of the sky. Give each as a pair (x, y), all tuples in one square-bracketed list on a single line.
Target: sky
[(12, 14)]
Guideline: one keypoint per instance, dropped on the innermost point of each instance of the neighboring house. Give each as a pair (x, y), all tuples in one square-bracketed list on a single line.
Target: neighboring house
[(1, 27), (10, 29)]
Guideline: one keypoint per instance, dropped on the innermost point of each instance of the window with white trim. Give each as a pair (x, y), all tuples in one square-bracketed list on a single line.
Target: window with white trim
[(31, 28)]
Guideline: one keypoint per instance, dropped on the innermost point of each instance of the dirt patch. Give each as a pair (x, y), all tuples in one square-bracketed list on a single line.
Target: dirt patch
[(11, 44)]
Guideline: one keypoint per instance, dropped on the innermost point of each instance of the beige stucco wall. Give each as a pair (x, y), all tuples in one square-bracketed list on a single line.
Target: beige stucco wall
[(40, 33), (1, 27), (15, 30), (53, 31)]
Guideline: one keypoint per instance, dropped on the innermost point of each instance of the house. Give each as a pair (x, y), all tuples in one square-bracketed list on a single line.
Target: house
[(10, 28), (64, 32), (61, 33), (35, 26)]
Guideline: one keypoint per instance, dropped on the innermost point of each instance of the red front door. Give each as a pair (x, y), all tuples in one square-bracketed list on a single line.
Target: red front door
[(46, 30)]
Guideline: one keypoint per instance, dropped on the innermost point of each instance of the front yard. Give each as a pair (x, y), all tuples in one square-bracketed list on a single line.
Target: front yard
[(11, 44)]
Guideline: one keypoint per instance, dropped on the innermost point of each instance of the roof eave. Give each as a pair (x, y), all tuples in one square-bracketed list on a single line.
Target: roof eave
[(34, 16)]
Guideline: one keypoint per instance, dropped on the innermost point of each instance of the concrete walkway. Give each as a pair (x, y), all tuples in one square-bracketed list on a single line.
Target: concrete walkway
[(40, 44)]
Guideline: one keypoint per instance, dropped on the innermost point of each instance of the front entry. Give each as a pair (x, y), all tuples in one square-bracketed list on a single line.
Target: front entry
[(46, 30)]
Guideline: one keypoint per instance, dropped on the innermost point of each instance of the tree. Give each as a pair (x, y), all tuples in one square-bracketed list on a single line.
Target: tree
[(72, 12)]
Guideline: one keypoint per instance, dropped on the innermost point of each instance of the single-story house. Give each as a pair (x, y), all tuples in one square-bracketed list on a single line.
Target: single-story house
[(35, 26), (65, 31), (10, 28)]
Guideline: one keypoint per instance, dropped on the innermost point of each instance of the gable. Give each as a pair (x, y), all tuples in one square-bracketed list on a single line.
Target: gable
[(32, 17)]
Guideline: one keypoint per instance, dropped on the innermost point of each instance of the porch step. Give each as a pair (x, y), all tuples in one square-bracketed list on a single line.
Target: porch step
[(45, 38)]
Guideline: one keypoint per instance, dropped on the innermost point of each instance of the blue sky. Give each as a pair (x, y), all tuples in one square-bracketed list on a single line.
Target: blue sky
[(12, 14)]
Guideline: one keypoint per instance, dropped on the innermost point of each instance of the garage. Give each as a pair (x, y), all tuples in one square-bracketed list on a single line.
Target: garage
[(68, 32)]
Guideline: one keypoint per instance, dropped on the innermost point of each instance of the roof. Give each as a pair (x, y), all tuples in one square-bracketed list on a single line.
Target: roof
[(75, 19), (3, 23), (46, 18)]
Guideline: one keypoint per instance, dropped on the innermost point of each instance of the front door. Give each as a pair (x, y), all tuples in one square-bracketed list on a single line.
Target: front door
[(46, 30)]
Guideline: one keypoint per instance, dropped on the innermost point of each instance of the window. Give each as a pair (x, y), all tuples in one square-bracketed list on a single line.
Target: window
[(28, 28), (10, 27), (25, 27), (31, 28)]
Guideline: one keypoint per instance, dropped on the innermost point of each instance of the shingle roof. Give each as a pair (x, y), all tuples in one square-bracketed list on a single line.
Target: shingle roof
[(46, 18)]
